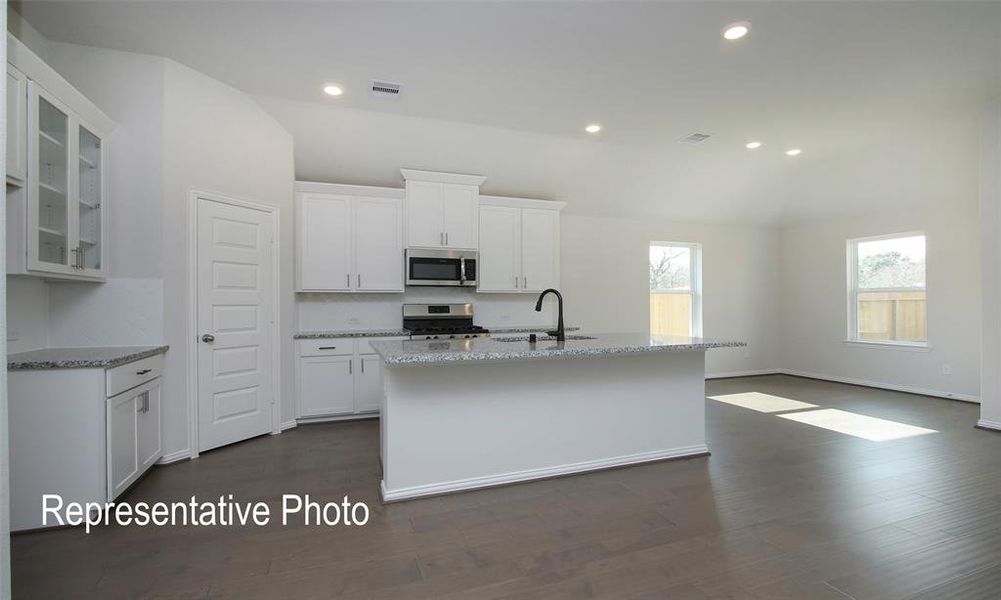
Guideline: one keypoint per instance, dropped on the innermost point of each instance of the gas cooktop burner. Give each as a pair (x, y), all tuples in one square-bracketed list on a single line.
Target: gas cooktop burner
[(440, 321)]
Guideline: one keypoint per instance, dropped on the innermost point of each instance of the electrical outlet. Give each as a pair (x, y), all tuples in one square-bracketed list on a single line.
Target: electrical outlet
[(947, 369)]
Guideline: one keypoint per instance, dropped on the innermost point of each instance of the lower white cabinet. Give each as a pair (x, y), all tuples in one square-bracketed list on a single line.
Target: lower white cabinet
[(84, 434), (338, 378), (133, 435)]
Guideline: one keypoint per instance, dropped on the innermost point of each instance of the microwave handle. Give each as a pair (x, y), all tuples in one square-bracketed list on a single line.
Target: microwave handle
[(462, 270)]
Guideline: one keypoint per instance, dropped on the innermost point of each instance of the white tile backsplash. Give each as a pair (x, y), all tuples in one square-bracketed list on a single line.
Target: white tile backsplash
[(384, 311), (119, 312)]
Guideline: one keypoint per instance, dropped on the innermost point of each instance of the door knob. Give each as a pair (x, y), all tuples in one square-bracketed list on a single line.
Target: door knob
[(208, 338)]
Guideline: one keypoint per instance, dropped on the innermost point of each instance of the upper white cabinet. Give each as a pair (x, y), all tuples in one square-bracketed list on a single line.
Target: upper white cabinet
[(349, 238), (519, 244), (442, 209), (57, 205), (17, 125)]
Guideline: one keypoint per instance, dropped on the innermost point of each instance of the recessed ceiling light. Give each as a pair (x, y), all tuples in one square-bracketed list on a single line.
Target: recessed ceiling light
[(752, 145), (735, 31), (793, 152), (593, 128), (333, 90)]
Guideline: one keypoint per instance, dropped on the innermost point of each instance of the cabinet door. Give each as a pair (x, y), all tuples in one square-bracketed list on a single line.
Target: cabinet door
[(49, 184), (17, 125), (148, 427), (326, 385), (461, 210), (123, 456), (378, 236), (540, 252), (89, 204), (425, 225), (499, 267), (369, 396), (324, 224)]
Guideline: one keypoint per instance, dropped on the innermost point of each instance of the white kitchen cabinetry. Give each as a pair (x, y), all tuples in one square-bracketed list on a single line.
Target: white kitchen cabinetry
[(85, 434), (57, 223), (17, 125), (519, 245), (338, 378), (442, 209), (349, 238)]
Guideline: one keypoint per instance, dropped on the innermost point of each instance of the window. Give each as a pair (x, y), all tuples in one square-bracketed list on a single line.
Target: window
[(675, 289), (887, 301)]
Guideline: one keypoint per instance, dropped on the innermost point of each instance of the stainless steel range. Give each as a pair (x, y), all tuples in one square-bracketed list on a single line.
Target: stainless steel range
[(440, 321)]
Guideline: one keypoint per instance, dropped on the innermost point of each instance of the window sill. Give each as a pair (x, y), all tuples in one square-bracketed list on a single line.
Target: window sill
[(905, 346)]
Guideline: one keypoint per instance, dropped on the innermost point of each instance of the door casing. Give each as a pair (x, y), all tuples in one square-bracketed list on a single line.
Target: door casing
[(194, 198)]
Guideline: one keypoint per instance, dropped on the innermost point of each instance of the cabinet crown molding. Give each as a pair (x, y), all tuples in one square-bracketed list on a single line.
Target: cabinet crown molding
[(521, 202), (438, 177)]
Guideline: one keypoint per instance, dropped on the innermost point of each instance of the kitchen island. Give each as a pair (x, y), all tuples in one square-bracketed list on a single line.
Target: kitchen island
[(472, 413)]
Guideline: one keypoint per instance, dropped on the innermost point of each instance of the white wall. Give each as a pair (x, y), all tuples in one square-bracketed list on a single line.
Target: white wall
[(606, 283), (990, 217), (219, 140), (813, 300)]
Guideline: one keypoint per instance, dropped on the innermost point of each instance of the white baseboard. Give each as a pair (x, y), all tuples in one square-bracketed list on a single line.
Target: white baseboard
[(288, 424), (352, 417), (884, 386), (728, 374), (531, 474), (988, 424), (166, 459)]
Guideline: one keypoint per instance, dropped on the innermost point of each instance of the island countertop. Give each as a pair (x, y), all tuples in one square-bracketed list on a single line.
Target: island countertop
[(437, 352)]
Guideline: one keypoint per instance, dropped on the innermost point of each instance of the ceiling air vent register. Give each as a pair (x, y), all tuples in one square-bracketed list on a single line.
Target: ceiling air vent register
[(695, 138), (385, 89)]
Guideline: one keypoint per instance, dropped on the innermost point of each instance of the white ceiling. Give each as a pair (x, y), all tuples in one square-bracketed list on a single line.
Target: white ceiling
[(881, 96)]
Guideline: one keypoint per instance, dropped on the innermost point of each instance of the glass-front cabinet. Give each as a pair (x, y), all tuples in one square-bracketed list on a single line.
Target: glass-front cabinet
[(65, 216)]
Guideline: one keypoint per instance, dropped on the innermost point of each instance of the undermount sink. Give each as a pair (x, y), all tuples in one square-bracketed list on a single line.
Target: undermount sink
[(542, 338)]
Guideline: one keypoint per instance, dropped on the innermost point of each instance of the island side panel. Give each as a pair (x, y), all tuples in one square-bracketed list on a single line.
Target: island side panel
[(476, 424)]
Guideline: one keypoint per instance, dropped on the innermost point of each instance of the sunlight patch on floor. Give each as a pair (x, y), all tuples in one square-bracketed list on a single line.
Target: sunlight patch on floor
[(765, 403), (870, 428)]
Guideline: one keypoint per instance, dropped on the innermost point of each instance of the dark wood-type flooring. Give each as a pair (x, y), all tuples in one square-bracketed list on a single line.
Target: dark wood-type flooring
[(781, 510)]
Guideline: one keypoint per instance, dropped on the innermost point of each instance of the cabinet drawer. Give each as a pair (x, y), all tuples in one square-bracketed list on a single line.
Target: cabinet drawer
[(128, 376), (364, 348), (327, 347)]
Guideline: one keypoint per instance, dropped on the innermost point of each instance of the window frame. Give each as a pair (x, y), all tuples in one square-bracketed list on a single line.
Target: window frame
[(695, 280), (852, 337)]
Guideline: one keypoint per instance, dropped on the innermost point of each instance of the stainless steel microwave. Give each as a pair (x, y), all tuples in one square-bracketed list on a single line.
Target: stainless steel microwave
[(441, 267)]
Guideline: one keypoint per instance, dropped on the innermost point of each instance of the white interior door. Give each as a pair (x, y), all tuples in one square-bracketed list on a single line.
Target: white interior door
[(235, 319)]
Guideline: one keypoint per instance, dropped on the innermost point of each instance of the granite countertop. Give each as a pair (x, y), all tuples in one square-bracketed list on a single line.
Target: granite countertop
[(366, 333), (436, 352), (80, 358)]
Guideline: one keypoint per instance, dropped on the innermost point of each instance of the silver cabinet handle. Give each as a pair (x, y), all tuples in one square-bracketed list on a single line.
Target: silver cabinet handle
[(143, 371), (208, 338), (347, 280), (446, 238), (524, 281), (362, 360), (359, 280), (327, 348), (351, 363), (441, 238), (515, 281)]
